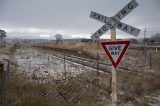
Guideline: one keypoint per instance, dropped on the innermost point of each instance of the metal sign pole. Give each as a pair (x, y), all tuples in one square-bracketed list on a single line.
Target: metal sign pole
[(114, 78)]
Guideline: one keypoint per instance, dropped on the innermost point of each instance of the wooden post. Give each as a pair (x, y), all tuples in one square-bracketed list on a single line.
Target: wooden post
[(98, 57), (150, 58), (156, 49), (144, 42), (49, 61), (1, 84), (97, 63), (65, 73), (114, 77), (1, 70), (4, 74)]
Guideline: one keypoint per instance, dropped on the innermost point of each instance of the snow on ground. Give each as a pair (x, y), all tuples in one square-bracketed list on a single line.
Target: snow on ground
[(36, 65), (156, 98), (158, 101), (3, 54)]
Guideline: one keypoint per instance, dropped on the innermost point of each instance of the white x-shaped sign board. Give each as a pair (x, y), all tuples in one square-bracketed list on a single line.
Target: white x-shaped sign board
[(111, 22), (121, 26)]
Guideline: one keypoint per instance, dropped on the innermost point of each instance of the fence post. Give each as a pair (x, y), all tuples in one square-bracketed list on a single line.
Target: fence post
[(65, 73), (150, 58), (49, 61), (1, 83), (4, 71), (156, 49)]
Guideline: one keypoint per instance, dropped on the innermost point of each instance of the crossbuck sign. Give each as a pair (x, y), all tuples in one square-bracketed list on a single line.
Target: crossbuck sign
[(115, 21)]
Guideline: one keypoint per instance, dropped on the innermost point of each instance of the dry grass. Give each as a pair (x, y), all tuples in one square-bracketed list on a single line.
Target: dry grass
[(138, 85), (80, 91), (155, 62), (85, 90), (75, 46)]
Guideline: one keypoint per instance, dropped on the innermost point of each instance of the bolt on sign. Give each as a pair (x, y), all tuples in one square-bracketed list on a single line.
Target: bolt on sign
[(115, 50), (114, 21)]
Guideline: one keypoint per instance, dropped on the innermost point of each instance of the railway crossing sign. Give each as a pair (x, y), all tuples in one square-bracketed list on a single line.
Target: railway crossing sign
[(120, 25), (115, 50), (111, 22)]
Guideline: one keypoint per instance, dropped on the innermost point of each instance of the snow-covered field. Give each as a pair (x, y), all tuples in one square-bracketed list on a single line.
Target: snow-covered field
[(45, 67)]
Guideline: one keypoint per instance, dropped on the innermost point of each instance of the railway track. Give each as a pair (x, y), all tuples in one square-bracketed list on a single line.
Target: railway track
[(100, 65)]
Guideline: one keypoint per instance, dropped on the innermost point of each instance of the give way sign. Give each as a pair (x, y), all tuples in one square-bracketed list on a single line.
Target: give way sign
[(115, 50)]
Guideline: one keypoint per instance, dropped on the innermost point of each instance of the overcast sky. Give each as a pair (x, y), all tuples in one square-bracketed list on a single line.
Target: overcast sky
[(45, 18)]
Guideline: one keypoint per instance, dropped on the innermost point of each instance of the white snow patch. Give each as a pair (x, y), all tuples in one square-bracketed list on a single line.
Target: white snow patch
[(37, 65)]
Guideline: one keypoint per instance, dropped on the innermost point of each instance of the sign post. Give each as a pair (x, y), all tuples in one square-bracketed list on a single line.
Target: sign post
[(115, 49), (113, 71)]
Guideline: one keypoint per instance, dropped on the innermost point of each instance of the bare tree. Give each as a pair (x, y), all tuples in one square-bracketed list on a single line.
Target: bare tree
[(2, 34), (59, 38), (156, 37)]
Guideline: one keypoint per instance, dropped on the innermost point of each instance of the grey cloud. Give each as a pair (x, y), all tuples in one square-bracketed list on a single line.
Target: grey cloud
[(73, 15)]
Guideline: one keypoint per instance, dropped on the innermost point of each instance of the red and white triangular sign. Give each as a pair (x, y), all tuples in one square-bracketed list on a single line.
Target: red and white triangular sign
[(115, 50)]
